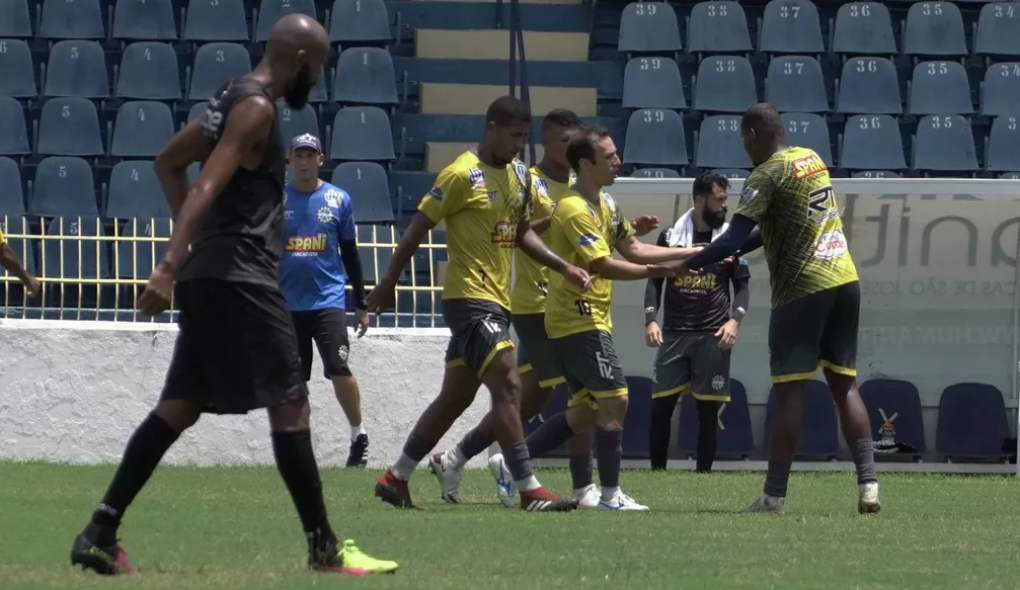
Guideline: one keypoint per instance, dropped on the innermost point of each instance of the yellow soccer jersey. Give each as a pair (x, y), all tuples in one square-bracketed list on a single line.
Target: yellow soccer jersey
[(580, 233), (791, 199), (3, 236), (532, 282), (482, 206)]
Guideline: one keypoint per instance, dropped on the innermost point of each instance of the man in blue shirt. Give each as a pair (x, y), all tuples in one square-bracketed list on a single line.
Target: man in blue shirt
[(320, 258)]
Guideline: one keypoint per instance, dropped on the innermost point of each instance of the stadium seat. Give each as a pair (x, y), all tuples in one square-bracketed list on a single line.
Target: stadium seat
[(653, 83), (876, 174), (809, 130), (69, 127), (13, 129), (656, 137), (294, 123), (215, 63), (141, 130), (557, 403), (819, 433), (71, 258), (972, 422), (409, 188), (655, 173), (271, 11), (934, 28), (864, 28), (900, 403), (998, 30), (732, 172), (719, 143), (375, 258), (649, 27), (81, 19), (18, 80), (868, 85), (148, 71), (944, 143), (215, 20), (796, 84), (872, 143), (198, 109), (1003, 153), (1000, 89), (369, 188), (735, 438), (359, 21), (137, 253), (63, 186), (939, 88), (144, 20), (77, 68), (12, 196), (635, 425), (15, 19), (791, 26), (361, 133), (134, 191), (364, 75), (725, 84), (718, 27)]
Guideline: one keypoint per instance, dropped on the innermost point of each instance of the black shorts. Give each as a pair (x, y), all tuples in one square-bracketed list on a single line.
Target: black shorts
[(817, 330), (479, 330), (590, 365), (692, 363), (328, 329), (236, 350), (535, 351)]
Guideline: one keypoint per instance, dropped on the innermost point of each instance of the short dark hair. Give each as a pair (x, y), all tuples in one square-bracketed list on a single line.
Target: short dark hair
[(763, 119), (564, 118), (707, 181), (507, 110), (582, 145)]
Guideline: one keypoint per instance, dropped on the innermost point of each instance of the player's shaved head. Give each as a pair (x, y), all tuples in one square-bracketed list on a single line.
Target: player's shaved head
[(295, 52), (761, 128), (297, 32)]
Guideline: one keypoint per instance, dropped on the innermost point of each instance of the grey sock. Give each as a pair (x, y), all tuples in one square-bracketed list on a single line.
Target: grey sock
[(778, 478), (551, 434), (580, 470), (609, 451), (864, 460), (416, 447), (517, 461), (474, 443)]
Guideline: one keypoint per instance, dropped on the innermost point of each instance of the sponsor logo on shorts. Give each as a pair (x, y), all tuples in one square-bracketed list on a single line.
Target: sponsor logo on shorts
[(307, 245), (587, 239), (718, 382), (436, 194), (343, 352), (805, 167), (504, 234), (476, 178), (831, 245)]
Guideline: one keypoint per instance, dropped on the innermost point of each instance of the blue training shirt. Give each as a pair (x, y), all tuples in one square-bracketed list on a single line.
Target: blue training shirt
[(312, 276)]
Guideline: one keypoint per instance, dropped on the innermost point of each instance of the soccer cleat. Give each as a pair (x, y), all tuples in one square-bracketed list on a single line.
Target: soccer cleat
[(620, 501), (540, 500), (107, 560), (448, 476), (358, 454), (505, 488), (394, 491), (348, 560), (769, 504), (587, 497), (867, 502)]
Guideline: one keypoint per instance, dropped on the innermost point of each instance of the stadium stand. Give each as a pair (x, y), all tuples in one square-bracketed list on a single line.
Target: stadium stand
[(735, 438), (819, 430)]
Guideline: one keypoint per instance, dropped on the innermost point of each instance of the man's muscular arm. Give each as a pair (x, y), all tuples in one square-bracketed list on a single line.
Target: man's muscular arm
[(172, 163)]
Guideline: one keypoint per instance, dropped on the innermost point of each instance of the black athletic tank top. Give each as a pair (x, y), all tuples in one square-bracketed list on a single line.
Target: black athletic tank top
[(241, 237)]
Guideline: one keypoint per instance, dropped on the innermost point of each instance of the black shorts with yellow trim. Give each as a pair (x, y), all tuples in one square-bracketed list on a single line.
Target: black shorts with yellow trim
[(817, 330), (479, 329), (535, 351), (590, 366), (691, 362)]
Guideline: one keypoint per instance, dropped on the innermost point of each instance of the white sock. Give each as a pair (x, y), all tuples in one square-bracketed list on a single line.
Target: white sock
[(456, 458), (528, 484), (356, 431), (404, 467), (608, 493)]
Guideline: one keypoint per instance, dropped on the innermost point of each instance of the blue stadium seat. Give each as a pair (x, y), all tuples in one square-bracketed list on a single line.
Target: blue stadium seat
[(215, 20), (649, 27), (69, 127), (998, 30), (718, 27), (944, 143), (864, 28), (872, 143), (361, 133), (809, 130), (15, 20), (63, 186), (12, 196), (18, 80), (725, 84), (735, 438), (318, 93), (972, 421), (271, 11), (215, 63), (656, 137), (369, 188), (13, 129), (819, 433), (294, 123), (144, 20), (791, 26), (141, 130), (135, 192), (653, 82), (148, 71), (900, 403), (198, 109), (934, 28), (1000, 89), (364, 75), (1003, 153), (557, 404), (876, 174), (732, 172), (869, 85), (359, 21), (72, 258), (719, 143), (375, 258), (409, 188), (796, 84), (81, 19), (635, 425), (77, 68), (655, 173), (137, 253), (938, 88)]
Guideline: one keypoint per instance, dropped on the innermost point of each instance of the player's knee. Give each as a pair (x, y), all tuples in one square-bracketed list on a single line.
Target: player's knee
[(178, 414), (508, 391), (290, 416), (612, 411)]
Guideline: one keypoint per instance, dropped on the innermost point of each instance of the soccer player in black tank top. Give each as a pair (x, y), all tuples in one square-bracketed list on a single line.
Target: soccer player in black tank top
[(236, 350)]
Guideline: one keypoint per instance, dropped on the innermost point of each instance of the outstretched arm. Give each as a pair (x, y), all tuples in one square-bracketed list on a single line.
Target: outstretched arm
[(641, 253), (726, 245)]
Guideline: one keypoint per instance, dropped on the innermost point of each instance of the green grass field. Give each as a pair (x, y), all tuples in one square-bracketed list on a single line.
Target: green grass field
[(222, 529)]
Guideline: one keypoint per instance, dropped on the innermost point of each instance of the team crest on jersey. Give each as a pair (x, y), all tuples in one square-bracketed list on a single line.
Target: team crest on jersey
[(476, 178), (542, 187), (324, 214), (436, 194), (343, 352), (610, 202), (521, 171), (332, 198)]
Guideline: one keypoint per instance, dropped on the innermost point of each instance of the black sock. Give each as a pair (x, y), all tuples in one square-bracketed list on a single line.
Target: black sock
[(550, 435), (609, 452), (777, 478), (581, 470), (295, 460), (708, 434), (659, 430)]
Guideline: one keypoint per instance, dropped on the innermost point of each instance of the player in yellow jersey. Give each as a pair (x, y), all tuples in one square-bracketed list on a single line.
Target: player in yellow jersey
[(485, 198), (816, 296), (9, 260)]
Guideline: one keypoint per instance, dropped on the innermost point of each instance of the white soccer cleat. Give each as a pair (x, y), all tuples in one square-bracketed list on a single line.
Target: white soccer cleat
[(587, 497), (868, 502), (620, 501), (506, 491), (449, 477), (768, 504)]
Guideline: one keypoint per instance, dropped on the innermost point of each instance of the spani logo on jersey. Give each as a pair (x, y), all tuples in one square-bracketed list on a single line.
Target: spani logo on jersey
[(587, 239), (307, 245), (504, 234)]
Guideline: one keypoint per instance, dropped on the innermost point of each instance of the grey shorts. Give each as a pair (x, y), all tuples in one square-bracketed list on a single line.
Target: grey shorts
[(535, 350), (589, 364), (692, 363), (479, 330)]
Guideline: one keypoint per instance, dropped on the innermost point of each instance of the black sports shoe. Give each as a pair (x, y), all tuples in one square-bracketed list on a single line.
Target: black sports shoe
[(108, 560), (358, 455)]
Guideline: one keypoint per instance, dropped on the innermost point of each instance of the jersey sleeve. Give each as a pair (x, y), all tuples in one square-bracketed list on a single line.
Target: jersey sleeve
[(759, 188), (448, 196), (624, 228), (3, 237), (345, 222), (582, 231)]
